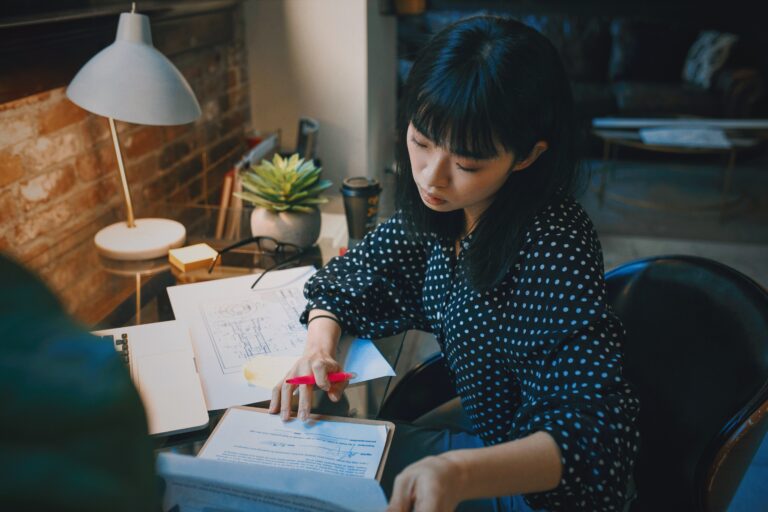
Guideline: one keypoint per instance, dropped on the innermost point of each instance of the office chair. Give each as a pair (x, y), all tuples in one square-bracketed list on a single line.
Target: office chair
[(697, 354)]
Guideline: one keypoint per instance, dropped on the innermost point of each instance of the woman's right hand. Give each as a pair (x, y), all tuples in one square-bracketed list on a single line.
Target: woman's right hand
[(322, 339), (319, 364)]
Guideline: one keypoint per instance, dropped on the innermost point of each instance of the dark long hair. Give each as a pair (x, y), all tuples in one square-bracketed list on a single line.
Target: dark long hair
[(481, 82)]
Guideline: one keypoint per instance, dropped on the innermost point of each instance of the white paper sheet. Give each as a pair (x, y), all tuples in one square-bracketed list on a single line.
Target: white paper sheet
[(363, 358), (259, 323), (230, 323), (195, 484), (332, 448)]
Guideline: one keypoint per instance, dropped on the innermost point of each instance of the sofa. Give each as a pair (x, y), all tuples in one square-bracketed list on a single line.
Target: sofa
[(622, 66)]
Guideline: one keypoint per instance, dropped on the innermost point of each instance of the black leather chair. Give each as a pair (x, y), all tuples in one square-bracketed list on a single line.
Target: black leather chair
[(697, 353)]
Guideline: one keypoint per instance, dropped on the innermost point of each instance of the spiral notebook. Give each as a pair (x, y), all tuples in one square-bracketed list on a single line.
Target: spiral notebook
[(163, 368)]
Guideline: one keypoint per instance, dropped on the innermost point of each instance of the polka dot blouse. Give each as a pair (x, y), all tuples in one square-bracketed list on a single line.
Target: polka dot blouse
[(540, 351)]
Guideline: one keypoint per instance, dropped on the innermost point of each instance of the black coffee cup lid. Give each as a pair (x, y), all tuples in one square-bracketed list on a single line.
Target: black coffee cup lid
[(360, 186)]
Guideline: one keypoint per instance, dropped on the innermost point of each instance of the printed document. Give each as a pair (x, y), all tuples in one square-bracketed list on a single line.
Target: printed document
[(333, 448)]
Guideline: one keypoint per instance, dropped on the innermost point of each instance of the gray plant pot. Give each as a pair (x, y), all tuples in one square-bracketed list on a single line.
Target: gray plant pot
[(301, 229)]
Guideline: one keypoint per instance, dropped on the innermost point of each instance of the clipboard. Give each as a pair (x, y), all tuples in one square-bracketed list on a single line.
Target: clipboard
[(390, 430)]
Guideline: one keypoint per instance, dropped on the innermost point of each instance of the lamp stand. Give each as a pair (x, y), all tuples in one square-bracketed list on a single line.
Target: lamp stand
[(123, 179), (137, 239)]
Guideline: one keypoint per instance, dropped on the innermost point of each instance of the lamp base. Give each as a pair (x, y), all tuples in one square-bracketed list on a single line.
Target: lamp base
[(151, 238)]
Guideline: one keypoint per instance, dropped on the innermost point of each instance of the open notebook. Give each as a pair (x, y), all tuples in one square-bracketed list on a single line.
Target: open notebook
[(162, 364)]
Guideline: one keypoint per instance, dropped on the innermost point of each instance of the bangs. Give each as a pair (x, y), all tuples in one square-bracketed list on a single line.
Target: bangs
[(456, 117), (481, 87)]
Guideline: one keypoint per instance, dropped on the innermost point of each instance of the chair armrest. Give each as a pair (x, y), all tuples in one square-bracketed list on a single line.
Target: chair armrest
[(423, 388)]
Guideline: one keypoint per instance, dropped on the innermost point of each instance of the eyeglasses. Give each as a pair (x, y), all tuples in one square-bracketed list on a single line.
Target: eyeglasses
[(287, 252)]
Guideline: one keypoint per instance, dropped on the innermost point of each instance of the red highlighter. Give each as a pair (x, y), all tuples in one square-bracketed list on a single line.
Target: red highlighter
[(332, 377)]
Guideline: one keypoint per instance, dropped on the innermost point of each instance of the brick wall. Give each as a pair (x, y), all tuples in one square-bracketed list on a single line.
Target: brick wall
[(59, 182)]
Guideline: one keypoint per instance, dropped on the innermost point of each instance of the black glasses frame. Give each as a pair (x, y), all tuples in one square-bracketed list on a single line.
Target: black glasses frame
[(295, 251)]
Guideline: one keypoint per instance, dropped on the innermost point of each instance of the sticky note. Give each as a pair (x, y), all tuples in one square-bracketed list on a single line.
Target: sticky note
[(266, 371), (192, 257)]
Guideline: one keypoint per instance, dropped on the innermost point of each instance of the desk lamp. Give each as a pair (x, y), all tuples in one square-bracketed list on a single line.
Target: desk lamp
[(133, 82)]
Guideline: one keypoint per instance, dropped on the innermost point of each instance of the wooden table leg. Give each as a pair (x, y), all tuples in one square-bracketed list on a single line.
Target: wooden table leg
[(727, 177), (604, 172), (138, 298)]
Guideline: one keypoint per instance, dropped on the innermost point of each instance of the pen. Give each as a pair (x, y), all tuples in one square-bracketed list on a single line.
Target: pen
[(310, 379)]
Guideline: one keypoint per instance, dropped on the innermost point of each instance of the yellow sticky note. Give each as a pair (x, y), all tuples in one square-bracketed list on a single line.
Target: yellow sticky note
[(192, 257), (266, 371)]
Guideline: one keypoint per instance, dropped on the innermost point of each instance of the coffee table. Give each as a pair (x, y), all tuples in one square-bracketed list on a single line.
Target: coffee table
[(614, 138)]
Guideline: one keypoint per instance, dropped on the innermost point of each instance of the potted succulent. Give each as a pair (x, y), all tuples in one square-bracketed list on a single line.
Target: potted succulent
[(285, 193)]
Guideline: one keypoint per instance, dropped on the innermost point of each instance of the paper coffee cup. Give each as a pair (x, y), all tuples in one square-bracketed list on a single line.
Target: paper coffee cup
[(361, 204)]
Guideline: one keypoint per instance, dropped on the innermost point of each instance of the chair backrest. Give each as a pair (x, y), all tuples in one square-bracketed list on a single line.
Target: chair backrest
[(697, 353), (423, 388)]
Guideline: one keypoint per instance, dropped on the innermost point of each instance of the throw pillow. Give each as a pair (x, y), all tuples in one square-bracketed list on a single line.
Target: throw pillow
[(707, 56)]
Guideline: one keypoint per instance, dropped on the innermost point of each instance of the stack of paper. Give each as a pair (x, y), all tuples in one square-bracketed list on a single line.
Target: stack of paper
[(192, 257)]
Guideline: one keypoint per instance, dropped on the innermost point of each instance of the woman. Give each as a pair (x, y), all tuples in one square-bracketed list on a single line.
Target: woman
[(490, 252)]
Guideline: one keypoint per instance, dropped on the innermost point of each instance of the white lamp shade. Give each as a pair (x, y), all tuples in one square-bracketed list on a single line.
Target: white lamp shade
[(133, 82)]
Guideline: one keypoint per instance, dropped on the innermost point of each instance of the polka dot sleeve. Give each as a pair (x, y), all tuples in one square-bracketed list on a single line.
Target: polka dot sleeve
[(375, 288), (568, 356)]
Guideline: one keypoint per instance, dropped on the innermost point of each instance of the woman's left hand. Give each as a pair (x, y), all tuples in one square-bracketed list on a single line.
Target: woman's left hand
[(433, 484)]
